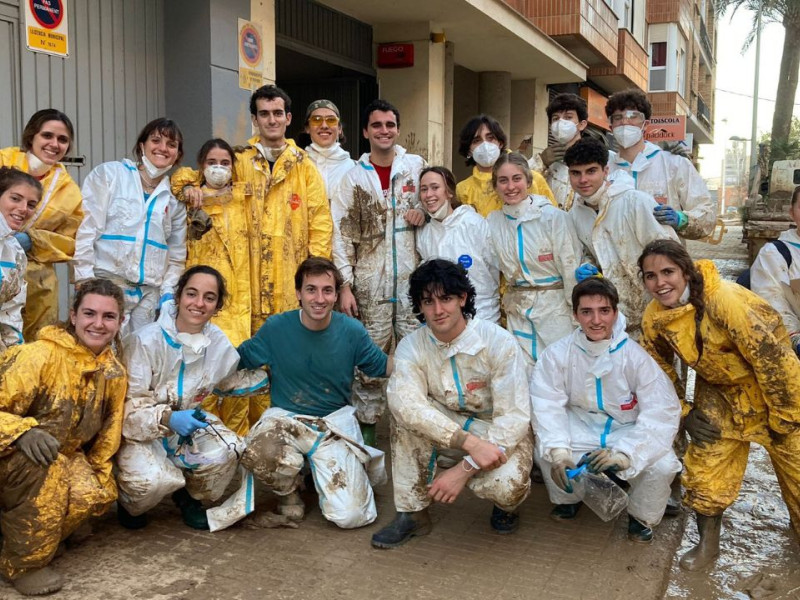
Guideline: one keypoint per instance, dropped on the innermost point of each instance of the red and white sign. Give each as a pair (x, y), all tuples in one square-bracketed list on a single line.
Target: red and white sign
[(395, 56)]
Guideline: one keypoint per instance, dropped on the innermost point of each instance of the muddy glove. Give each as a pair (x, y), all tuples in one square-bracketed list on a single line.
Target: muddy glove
[(24, 240), (604, 459), (585, 271), (185, 423), (38, 446), (199, 223), (666, 215), (700, 428), (562, 460), (553, 153)]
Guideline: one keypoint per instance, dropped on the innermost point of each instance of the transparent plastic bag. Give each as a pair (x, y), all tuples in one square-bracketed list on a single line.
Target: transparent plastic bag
[(606, 499)]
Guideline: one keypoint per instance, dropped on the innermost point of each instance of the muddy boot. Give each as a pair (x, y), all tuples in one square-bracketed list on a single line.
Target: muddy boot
[(291, 506), (673, 508), (39, 582), (368, 433), (82, 533), (639, 532), (503, 522), (405, 526), (565, 512), (192, 511), (707, 550), (129, 521)]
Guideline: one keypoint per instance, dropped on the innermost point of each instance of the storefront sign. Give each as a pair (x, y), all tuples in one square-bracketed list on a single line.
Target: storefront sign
[(666, 129)]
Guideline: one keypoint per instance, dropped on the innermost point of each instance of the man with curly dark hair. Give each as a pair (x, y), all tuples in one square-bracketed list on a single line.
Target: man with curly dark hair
[(459, 388)]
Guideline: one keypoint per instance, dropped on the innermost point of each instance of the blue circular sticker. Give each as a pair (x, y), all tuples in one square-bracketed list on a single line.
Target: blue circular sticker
[(465, 260)]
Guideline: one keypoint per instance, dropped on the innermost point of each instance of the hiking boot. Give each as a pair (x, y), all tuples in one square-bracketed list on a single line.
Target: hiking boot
[(405, 526), (565, 512), (192, 511), (39, 582), (638, 531), (291, 506), (503, 522), (129, 521), (707, 549)]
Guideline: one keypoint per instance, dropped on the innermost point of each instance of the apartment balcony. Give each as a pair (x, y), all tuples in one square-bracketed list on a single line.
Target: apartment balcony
[(671, 11), (703, 111), (668, 103), (586, 28), (630, 69)]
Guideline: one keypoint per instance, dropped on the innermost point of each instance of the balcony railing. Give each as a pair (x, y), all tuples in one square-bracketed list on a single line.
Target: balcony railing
[(705, 39), (703, 111)]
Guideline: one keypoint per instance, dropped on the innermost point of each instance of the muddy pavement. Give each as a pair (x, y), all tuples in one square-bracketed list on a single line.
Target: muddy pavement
[(759, 556)]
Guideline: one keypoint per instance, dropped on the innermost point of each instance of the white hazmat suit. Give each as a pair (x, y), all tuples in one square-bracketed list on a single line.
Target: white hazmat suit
[(332, 163), (609, 394), (13, 287)]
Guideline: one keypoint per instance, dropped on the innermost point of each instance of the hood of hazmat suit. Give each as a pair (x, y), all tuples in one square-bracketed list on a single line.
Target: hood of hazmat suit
[(332, 162)]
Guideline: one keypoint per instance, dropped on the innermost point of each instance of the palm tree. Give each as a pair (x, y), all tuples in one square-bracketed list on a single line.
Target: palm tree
[(787, 13)]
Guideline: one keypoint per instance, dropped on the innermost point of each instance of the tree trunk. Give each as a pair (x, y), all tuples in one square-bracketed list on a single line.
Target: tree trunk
[(787, 85)]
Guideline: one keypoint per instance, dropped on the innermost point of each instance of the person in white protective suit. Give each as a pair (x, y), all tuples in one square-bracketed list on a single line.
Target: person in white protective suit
[(458, 233), (538, 252), (374, 214), (310, 419), (598, 398), (683, 199), (169, 443), (324, 126), (777, 279), (134, 230), (20, 193), (460, 385), (568, 116), (614, 222)]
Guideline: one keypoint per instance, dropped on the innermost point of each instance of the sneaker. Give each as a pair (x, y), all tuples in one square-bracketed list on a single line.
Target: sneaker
[(565, 512), (638, 531), (405, 526), (129, 521), (503, 522), (192, 511)]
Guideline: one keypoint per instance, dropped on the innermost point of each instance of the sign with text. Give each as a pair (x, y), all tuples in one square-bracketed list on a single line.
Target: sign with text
[(251, 55), (666, 129), (395, 56), (46, 27)]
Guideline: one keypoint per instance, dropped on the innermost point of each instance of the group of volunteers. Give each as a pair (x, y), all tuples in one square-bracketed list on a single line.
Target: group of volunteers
[(252, 318)]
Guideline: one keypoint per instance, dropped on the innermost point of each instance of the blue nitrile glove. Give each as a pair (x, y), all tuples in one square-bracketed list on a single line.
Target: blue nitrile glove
[(585, 271), (24, 240), (666, 215), (185, 422)]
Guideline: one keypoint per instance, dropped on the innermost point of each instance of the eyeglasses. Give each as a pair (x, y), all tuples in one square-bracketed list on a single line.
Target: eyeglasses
[(316, 121), (631, 116)]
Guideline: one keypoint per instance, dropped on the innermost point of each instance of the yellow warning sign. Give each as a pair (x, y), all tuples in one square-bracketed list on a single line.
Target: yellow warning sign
[(250, 79), (47, 41), (46, 26)]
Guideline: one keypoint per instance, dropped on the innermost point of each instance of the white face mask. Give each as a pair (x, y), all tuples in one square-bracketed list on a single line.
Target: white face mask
[(36, 167), (441, 212), (194, 345), (486, 154), (627, 135), (594, 199), (217, 176), (563, 130), (271, 154), (152, 171)]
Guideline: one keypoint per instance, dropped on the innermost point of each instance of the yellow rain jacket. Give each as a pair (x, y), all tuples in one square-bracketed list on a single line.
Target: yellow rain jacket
[(56, 384), (477, 191), (748, 385), (290, 221), (52, 230)]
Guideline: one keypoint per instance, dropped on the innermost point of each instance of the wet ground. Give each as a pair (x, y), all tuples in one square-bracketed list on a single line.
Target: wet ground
[(759, 555)]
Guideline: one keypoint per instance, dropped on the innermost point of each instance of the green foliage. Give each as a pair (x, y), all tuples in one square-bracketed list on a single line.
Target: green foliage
[(781, 151)]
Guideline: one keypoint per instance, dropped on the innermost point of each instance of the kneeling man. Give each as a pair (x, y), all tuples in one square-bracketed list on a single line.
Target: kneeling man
[(459, 383), (597, 392)]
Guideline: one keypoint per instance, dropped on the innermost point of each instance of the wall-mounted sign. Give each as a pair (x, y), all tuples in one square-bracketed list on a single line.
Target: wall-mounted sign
[(46, 26), (666, 129), (395, 56), (251, 55)]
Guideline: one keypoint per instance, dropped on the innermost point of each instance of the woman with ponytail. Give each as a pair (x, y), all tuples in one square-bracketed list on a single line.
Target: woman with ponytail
[(748, 384)]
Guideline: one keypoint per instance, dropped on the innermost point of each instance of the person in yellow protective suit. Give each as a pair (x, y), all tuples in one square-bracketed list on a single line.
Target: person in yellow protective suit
[(61, 404), (481, 142), (49, 237), (748, 386)]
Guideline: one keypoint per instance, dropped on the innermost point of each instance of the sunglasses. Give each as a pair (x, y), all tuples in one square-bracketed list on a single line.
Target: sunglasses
[(330, 121)]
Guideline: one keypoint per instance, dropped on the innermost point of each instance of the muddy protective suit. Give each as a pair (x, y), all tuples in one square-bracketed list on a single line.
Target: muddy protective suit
[(344, 469), (778, 283), (13, 288), (476, 383), (375, 250), (751, 389), (139, 244), (477, 191), (52, 230), (56, 384), (168, 373), (615, 235), (464, 237), (332, 163), (557, 177), (538, 251), (672, 180), (610, 394)]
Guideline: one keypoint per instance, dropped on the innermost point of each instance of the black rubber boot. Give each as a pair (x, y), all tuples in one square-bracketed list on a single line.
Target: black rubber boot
[(707, 549), (128, 521), (405, 526), (565, 512), (638, 531), (192, 511), (503, 522)]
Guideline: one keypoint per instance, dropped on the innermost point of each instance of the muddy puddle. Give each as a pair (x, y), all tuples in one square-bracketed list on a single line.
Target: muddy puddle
[(759, 557)]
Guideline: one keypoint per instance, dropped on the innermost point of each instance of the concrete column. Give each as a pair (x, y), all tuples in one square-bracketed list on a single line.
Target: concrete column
[(263, 13), (494, 96), (523, 104), (449, 87), (541, 126), (418, 92)]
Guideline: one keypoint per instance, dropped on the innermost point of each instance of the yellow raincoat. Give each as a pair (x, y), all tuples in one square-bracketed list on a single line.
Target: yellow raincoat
[(52, 230), (748, 385), (59, 385), (477, 191)]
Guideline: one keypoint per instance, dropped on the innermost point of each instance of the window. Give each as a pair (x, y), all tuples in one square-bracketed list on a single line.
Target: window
[(658, 66), (682, 72)]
